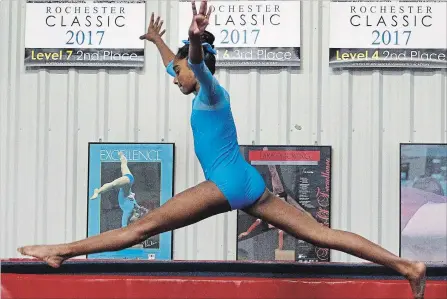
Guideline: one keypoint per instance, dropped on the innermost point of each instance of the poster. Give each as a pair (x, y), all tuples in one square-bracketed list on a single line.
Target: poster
[(300, 175), (423, 202), (251, 33), (87, 33), (125, 182), (408, 34)]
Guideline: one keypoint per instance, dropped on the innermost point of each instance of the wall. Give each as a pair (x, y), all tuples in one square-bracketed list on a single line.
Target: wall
[(47, 118)]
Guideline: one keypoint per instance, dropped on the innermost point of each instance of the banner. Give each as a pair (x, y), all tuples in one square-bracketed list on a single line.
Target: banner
[(299, 175), (397, 34), (125, 182), (251, 33), (87, 33), (423, 202)]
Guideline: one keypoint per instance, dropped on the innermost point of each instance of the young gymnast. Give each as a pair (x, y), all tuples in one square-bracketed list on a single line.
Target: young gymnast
[(231, 183), (126, 198)]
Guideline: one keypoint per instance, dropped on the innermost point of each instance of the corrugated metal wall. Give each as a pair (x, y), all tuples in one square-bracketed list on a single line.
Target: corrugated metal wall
[(48, 117)]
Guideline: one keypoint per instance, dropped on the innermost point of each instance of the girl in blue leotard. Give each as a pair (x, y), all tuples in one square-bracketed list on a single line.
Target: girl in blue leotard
[(126, 198), (230, 183)]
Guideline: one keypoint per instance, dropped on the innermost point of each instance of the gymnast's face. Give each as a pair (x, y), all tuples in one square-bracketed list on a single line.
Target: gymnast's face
[(184, 79)]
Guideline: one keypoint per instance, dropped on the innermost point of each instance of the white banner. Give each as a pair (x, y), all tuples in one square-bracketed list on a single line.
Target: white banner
[(394, 24), (80, 32), (406, 33), (251, 32)]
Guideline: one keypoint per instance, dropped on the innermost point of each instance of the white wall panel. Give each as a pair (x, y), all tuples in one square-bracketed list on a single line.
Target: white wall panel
[(47, 118)]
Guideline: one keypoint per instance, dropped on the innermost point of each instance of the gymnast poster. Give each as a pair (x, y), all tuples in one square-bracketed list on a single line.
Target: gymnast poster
[(299, 175), (126, 181), (423, 202)]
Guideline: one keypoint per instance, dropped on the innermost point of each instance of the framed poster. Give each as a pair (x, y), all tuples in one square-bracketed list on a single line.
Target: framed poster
[(299, 175), (251, 33), (88, 33), (401, 33), (423, 202), (125, 182)]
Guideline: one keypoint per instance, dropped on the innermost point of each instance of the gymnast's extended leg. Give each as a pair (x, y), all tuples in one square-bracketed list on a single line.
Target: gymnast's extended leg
[(121, 182), (298, 224), (124, 168), (185, 208)]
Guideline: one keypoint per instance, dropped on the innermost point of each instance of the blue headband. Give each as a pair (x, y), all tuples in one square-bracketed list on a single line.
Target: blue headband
[(207, 47)]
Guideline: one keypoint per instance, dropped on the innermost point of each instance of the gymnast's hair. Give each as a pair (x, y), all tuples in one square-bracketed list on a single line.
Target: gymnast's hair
[(209, 58)]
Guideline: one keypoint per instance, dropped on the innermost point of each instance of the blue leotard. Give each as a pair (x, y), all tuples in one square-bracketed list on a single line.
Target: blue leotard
[(215, 142), (126, 203)]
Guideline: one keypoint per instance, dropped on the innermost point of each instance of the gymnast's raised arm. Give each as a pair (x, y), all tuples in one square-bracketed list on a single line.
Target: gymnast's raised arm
[(200, 50), (154, 35)]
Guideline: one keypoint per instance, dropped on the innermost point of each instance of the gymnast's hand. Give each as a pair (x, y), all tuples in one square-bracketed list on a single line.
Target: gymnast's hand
[(153, 31), (200, 20)]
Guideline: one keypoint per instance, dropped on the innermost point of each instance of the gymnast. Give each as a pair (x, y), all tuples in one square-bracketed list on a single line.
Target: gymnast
[(126, 198), (230, 182)]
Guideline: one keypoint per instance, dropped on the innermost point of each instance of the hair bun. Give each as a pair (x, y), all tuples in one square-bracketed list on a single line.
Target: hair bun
[(207, 37)]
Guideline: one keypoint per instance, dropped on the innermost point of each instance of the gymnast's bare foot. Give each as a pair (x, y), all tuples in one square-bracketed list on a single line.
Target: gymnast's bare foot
[(417, 280), (47, 253), (123, 158)]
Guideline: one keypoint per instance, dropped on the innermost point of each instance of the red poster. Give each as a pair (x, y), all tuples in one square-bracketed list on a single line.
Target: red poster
[(299, 175)]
